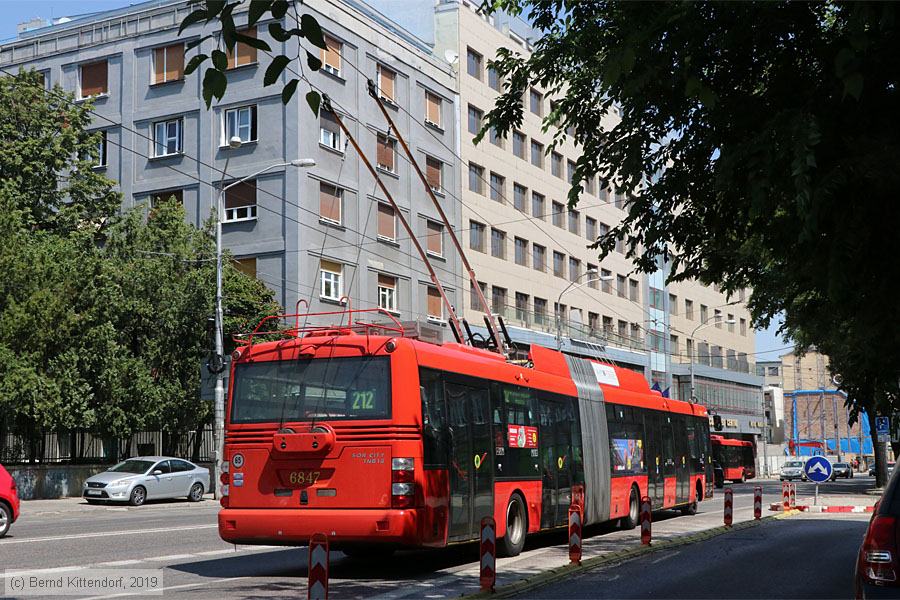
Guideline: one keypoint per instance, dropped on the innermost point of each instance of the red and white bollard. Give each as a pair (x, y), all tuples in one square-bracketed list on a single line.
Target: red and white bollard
[(785, 495), (646, 520), (757, 503), (793, 495), (729, 496), (317, 587), (488, 574), (576, 519)]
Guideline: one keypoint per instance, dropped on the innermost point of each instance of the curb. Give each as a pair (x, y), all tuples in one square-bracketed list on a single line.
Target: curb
[(551, 575), (776, 506)]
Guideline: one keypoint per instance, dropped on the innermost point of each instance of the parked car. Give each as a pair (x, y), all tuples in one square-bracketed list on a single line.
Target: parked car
[(890, 469), (9, 501), (792, 469), (843, 470), (147, 478), (877, 573)]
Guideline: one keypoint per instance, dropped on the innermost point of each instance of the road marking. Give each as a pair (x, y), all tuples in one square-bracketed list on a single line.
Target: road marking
[(186, 586), (80, 536), (171, 557), (15, 572), (119, 563)]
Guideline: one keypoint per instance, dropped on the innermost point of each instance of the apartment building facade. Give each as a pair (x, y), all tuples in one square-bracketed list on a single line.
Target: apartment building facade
[(318, 234)]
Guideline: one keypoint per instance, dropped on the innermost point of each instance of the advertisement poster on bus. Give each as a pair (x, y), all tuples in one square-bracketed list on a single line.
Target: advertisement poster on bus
[(628, 455), (523, 436)]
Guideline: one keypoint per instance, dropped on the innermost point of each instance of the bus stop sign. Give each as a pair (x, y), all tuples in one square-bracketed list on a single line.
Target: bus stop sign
[(818, 469)]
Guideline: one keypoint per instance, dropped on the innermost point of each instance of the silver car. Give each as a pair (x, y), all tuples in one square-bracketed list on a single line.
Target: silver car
[(793, 469), (147, 478)]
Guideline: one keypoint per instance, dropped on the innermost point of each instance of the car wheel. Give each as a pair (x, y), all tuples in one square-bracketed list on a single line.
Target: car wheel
[(631, 521), (743, 477), (196, 493), (5, 518), (138, 496), (516, 527)]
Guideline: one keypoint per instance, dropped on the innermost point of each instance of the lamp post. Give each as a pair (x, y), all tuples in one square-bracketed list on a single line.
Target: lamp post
[(218, 365), (574, 285), (707, 323)]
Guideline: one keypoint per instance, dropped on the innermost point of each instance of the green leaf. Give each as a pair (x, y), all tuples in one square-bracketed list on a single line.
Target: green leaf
[(194, 43), (275, 69), (220, 60), (280, 8), (313, 61), (314, 100), (228, 31), (195, 62), (311, 30), (253, 42), (215, 7), (278, 32), (214, 84), (194, 17), (288, 91), (257, 9)]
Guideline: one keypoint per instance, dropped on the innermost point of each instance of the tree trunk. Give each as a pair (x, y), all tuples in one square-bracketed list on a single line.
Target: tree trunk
[(881, 450)]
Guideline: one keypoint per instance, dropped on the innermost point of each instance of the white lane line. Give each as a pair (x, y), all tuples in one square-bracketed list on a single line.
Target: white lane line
[(171, 557), (119, 563), (16, 572), (217, 552), (80, 536), (172, 588)]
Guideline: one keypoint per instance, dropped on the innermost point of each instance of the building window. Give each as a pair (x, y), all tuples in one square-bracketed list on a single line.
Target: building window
[(498, 244), (92, 79), (168, 63), (540, 311), (240, 201), (593, 281), (622, 327), (673, 345), (330, 203), (158, 198), (717, 317), (330, 134), (243, 54), (240, 123), (385, 153), (621, 284), (167, 137), (633, 290), (475, 116), (619, 199), (538, 206), (593, 322), (589, 185), (101, 150), (474, 300), (689, 309), (331, 56), (590, 228), (493, 79), (247, 266), (434, 171), (673, 304), (570, 172), (473, 64), (731, 324), (538, 258), (606, 283), (556, 160), (604, 230), (331, 280), (559, 215), (433, 105), (521, 252), (387, 292), (476, 178), (537, 154), (498, 187), (520, 197), (435, 243), (386, 80), (604, 192), (744, 327), (574, 222), (522, 307), (476, 236), (656, 298), (607, 326), (636, 332), (536, 101), (574, 268), (519, 144), (387, 222), (435, 306), (495, 137), (498, 299), (704, 313), (559, 264)]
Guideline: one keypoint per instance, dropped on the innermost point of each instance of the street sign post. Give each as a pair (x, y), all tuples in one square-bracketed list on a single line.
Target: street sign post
[(883, 428), (818, 470)]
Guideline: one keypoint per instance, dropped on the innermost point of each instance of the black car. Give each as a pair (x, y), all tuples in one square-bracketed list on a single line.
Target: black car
[(718, 475), (878, 563), (843, 470)]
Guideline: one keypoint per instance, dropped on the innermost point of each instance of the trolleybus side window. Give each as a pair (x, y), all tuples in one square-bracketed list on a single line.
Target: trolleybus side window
[(519, 431), (434, 420), (626, 443)]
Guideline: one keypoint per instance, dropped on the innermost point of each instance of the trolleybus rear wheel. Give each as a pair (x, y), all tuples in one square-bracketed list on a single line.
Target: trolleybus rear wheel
[(516, 527)]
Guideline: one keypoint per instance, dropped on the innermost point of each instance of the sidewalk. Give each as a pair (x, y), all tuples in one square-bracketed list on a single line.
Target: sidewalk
[(831, 503), (64, 506)]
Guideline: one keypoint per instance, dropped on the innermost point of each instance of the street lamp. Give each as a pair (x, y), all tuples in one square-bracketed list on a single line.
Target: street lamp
[(713, 321), (219, 362), (571, 286)]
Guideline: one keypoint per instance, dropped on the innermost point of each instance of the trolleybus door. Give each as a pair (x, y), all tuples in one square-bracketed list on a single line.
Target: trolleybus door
[(682, 459), (471, 458), (668, 457), (654, 458)]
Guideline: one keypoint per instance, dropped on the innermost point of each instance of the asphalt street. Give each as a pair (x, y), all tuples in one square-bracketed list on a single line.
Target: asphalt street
[(182, 539)]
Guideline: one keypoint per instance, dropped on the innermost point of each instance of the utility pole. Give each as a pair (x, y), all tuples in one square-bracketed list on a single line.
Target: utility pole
[(837, 431)]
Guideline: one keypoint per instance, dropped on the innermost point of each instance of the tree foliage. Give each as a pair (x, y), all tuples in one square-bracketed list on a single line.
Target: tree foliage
[(756, 142)]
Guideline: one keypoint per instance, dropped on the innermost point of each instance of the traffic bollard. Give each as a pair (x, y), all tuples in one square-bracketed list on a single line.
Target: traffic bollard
[(646, 520), (576, 519), (729, 495), (317, 587), (793, 492), (785, 495), (757, 503), (488, 574)]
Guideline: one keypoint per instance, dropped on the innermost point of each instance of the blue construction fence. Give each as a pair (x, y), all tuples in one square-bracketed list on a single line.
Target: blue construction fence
[(849, 445)]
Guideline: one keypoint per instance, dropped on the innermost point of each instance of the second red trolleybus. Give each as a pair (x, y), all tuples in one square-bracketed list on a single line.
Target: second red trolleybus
[(380, 440), (736, 457)]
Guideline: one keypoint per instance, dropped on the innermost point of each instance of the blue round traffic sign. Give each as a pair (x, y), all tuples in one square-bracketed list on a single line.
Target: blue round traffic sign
[(818, 469)]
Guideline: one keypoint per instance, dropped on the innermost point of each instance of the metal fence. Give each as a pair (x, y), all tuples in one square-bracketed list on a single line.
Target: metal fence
[(81, 447)]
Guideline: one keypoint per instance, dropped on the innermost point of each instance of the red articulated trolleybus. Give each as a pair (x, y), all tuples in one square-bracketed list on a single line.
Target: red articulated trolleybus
[(737, 458), (380, 440)]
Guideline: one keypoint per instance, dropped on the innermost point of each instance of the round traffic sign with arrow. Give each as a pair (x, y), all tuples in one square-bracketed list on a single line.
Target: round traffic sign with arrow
[(818, 469)]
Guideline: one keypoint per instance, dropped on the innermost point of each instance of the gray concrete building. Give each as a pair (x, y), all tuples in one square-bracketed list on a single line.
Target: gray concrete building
[(315, 234)]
